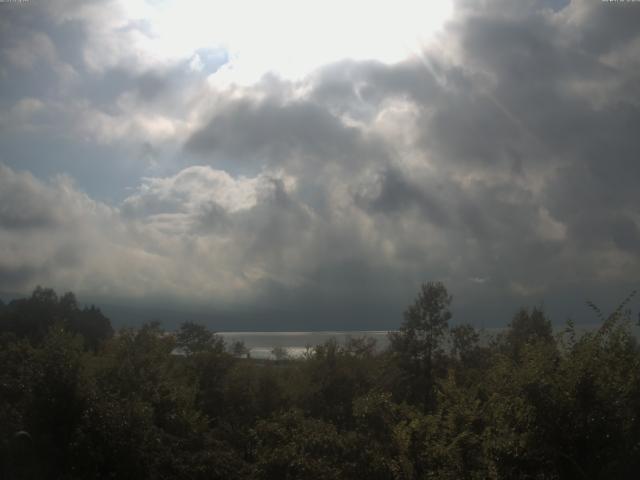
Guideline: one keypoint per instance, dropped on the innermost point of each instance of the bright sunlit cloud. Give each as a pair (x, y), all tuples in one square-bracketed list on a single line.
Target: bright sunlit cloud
[(288, 37)]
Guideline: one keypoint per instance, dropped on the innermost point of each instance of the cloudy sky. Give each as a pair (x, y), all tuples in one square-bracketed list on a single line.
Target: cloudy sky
[(306, 165)]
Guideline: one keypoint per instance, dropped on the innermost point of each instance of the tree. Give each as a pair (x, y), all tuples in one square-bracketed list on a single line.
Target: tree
[(58, 399), (94, 327), (280, 353), (527, 327), (419, 340), (33, 317), (195, 338), (239, 349), (464, 342), (360, 347), (292, 446)]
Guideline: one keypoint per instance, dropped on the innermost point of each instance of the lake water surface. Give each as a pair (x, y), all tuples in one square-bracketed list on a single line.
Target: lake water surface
[(260, 344)]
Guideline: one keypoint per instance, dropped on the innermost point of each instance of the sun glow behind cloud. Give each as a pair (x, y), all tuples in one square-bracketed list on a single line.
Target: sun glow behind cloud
[(288, 37)]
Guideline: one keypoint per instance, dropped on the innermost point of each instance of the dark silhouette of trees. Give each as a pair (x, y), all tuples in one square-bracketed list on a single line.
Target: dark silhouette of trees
[(32, 318), (153, 404), (193, 338), (280, 353), (527, 326), (419, 342), (239, 349), (464, 343)]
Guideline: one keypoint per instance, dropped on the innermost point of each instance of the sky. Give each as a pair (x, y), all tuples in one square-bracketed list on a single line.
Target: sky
[(306, 165)]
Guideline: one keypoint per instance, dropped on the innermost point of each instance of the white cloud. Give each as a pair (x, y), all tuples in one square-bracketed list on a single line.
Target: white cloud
[(194, 188)]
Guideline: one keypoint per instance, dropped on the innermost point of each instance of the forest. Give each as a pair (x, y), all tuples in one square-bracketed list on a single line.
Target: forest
[(79, 401)]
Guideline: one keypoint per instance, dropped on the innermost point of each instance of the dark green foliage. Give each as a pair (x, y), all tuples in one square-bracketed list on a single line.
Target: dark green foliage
[(438, 404), (33, 317), (292, 446), (337, 374), (280, 353), (239, 349), (527, 327), (193, 338), (418, 345), (465, 343)]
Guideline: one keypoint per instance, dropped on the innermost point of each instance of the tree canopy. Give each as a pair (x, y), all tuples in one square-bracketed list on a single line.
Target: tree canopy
[(526, 404)]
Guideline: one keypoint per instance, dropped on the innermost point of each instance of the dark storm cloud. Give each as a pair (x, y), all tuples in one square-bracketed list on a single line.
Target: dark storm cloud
[(212, 218), (151, 85), (605, 26), (104, 89), (272, 133), (44, 229), (24, 204), (550, 168), (39, 55), (14, 278), (502, 160), (268, 231), (396, 195), (155, 85), (531, 113), (626, 234)]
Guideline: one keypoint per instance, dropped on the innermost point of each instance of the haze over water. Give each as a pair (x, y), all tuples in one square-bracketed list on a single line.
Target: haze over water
[(260, 344)]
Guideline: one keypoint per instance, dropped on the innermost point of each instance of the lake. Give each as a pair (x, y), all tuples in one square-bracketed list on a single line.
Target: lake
[(260, 344)]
